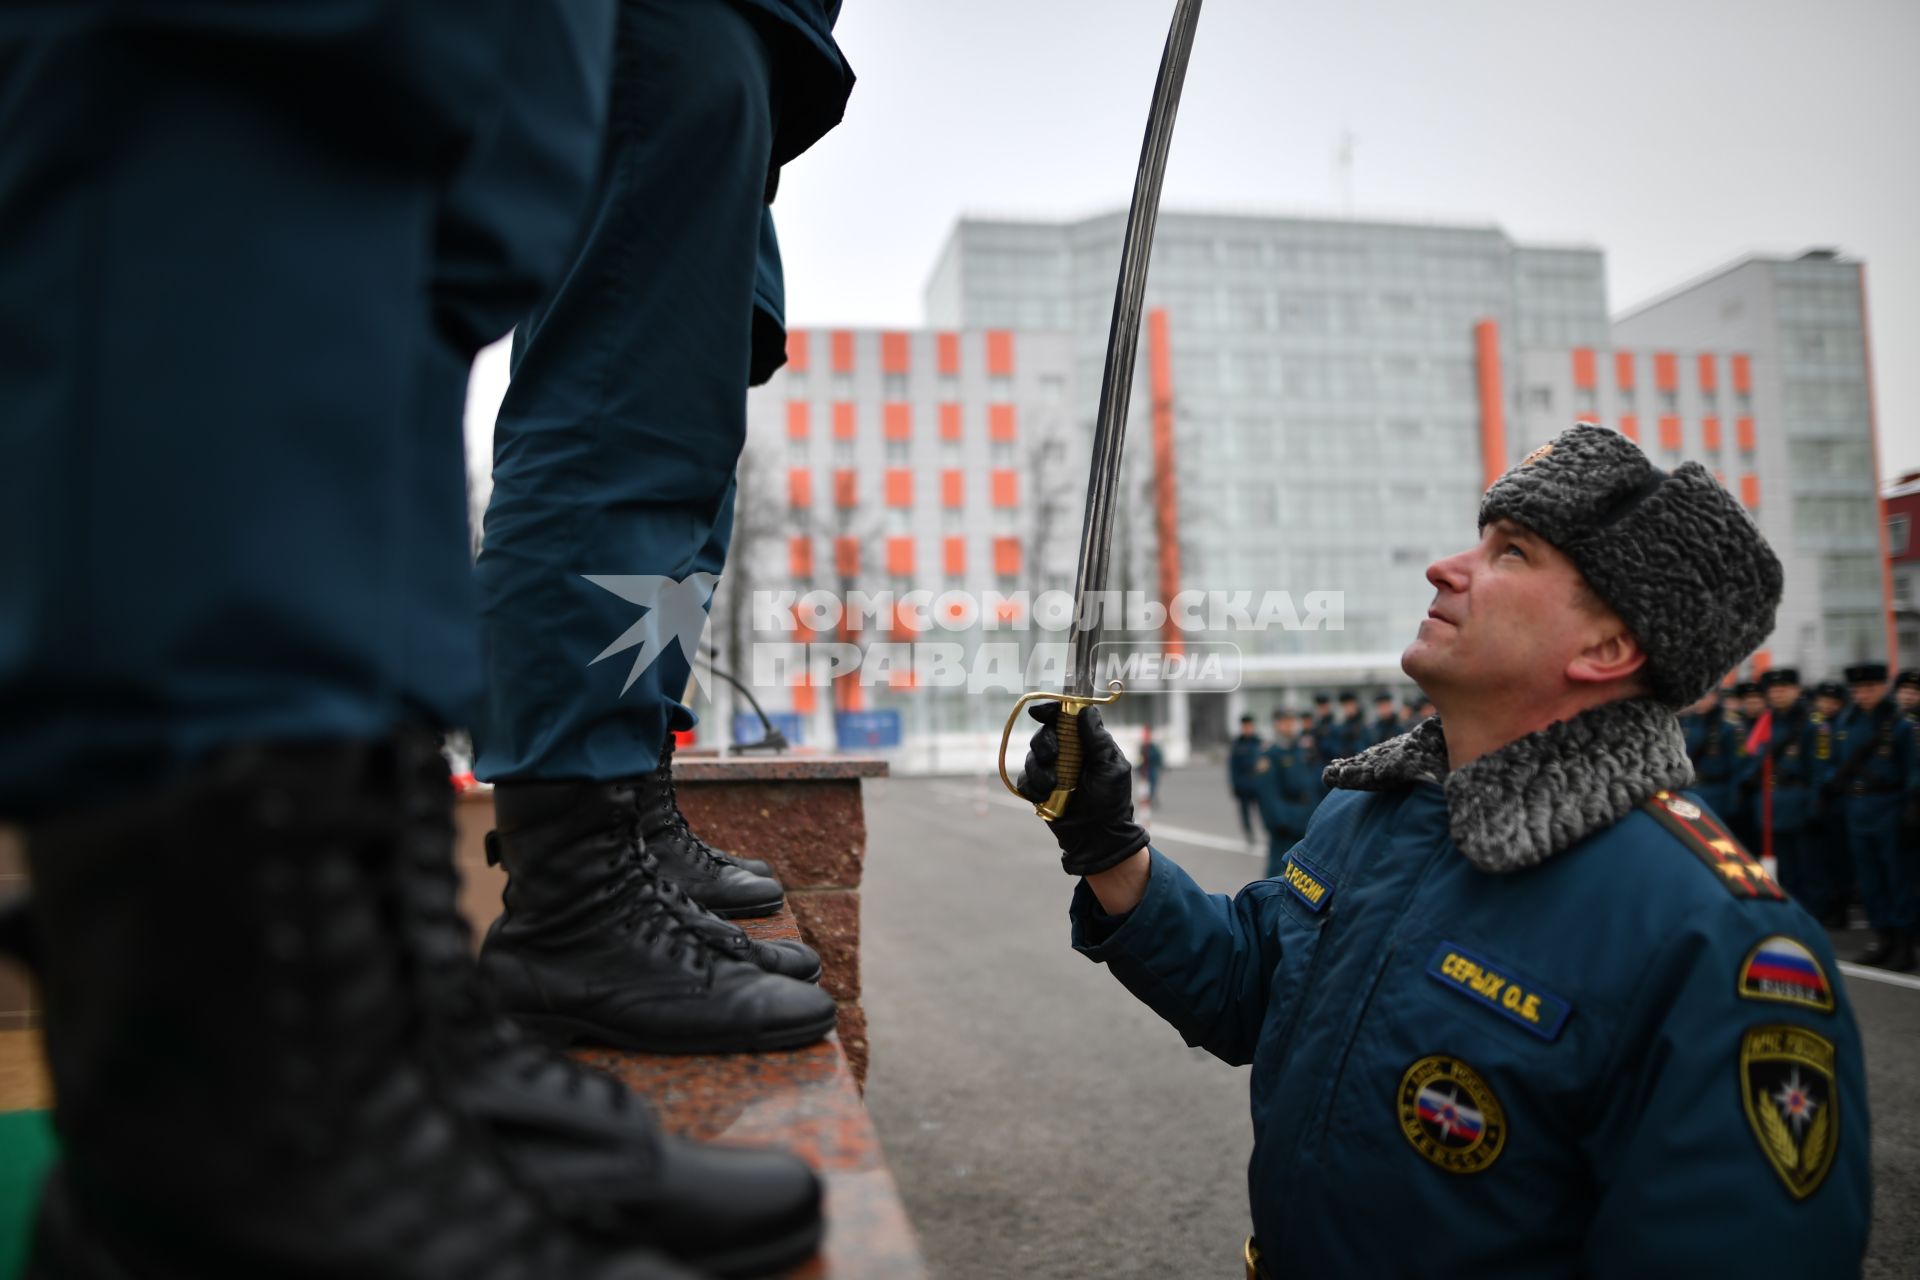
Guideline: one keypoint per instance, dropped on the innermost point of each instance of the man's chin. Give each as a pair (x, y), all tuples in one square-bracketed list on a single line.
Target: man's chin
[(1419, 660)]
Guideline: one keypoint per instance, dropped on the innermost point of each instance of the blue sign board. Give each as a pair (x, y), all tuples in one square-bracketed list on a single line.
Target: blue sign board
[(867, 730)]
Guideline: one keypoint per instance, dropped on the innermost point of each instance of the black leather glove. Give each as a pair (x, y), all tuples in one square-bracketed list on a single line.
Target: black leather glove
[(1097, 831)]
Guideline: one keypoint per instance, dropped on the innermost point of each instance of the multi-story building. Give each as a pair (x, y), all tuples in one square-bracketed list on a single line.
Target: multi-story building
[(899, 461)]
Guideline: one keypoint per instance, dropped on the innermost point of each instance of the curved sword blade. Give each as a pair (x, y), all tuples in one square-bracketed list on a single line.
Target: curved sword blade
[(1123, 337)]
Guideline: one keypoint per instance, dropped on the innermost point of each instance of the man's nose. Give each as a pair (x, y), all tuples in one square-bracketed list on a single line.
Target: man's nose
[(1450, 573)]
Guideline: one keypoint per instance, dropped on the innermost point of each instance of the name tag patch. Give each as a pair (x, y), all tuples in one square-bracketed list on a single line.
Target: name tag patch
[(1513, 997), (1307, 883)]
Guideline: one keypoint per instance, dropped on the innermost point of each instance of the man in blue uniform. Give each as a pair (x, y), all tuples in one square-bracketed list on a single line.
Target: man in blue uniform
[(1878, 774), (1778, 782), (1243, 762), (1350, 735), (1827, 832), (1321, 726), (1516, 1005), (1713, 745), (1287, 784), (1386, 719), (610, 517)]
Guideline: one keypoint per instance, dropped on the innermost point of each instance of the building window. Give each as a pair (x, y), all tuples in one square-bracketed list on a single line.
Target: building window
[(1896, 535)]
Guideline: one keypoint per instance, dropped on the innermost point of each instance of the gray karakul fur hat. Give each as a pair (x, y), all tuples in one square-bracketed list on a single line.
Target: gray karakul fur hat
[(1672, 552)]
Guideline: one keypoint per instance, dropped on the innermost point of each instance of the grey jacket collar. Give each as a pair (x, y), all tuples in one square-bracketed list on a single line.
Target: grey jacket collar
[(1518, 806)]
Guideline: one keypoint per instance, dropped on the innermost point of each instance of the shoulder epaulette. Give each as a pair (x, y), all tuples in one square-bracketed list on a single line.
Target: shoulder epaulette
[(1710, 842)]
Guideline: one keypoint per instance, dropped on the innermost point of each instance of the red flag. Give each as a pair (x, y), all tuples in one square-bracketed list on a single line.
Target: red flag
[(1759, 740)]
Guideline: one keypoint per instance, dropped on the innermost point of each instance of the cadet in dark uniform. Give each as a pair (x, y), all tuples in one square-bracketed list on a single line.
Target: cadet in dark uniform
[(1516, 1005), (1348, 733), (1386, 720), (1827, 829), (1287, 784), (1779, 781), (1322, 726), (1713, 744), (1877, 776), (1243, 759)]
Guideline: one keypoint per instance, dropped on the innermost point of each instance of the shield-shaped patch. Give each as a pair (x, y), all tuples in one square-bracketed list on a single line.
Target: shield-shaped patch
[(1792, 1102)]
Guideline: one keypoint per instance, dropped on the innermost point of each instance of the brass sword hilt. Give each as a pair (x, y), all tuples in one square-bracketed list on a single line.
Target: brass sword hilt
[(1066, 775)]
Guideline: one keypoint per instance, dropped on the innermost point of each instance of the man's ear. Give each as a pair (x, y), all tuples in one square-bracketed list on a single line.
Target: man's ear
[(1614, 655)]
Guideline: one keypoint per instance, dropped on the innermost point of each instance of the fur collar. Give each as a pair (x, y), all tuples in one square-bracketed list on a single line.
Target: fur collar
[(1518, 806)]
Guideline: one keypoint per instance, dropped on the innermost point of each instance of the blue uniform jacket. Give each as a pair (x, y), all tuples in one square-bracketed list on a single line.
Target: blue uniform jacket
[(1791, 750), (1287, 786), (1877, 772), (1713, 744), (1553, 1071), (1243, 763)]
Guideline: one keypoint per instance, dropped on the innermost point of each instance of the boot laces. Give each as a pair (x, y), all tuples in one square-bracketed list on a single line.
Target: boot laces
[(676, 820), (650, 902)]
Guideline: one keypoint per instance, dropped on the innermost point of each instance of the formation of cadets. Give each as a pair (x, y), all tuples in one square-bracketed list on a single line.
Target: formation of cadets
[(1279, 779), (1825, 782), (1828, 785)]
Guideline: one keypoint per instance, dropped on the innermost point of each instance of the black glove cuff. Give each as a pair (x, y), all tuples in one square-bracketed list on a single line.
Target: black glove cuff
[(1104, 848)]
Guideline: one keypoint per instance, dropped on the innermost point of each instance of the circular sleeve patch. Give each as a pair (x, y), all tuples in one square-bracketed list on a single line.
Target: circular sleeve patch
[(1450, 1115)]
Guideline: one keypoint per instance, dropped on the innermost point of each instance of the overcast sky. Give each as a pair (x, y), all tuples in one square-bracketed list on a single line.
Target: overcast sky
[(1677, 135)]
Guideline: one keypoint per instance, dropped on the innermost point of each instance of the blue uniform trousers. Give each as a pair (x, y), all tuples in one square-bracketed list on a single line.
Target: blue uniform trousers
[(232, 497), (615, 448), (1881, 865), (1803, 870)]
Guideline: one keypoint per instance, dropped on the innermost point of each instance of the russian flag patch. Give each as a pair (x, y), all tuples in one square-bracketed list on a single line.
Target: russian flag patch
[(1783, 970)]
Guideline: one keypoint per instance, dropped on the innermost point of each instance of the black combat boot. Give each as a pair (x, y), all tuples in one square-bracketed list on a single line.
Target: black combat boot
[(756, 865), (594, 943), (1901, 958), (243, 1082), (581, 1138), (1881, 950)]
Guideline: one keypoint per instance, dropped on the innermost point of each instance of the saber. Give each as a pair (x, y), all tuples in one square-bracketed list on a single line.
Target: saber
[(1110, 430)]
